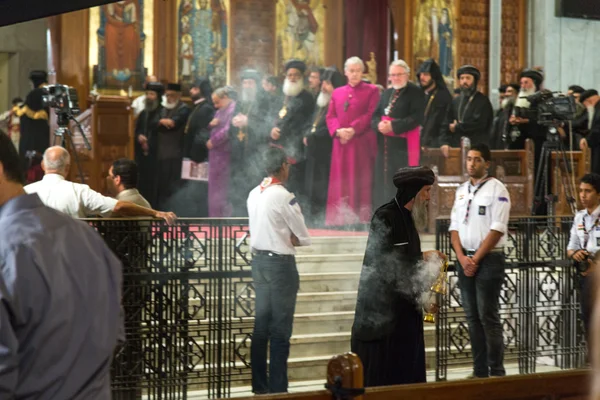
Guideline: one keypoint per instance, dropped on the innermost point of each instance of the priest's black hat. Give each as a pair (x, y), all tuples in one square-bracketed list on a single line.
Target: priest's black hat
[(331, 74), (431, 67), (38, 77), (514, 86), (470, 70), (576, 89), (176, 87), (536, 76), (205, 87), (410, 180), (587, 94), (156, 87), (297, 64)]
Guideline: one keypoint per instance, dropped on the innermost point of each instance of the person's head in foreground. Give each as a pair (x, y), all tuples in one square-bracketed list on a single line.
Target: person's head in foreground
[(276, 164)]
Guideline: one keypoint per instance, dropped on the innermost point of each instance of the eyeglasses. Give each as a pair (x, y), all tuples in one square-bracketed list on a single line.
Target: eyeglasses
[(289, 76), (398, 75)]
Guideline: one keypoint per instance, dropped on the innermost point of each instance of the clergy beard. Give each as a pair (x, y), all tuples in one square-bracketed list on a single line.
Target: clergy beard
[(419, 214), (469, 90), (428, 85), (292, 89), (521, 99), (151, 105), (170, 106), (323, 99), (398, 87), (248, 95), (196, 97)]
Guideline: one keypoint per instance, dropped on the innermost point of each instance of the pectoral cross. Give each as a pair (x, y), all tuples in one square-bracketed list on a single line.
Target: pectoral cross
[(347, 103), (241, 135)]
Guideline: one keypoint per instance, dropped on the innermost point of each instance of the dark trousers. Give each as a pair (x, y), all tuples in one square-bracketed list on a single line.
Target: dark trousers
[(585, 301), (481, 301), (276, 283)]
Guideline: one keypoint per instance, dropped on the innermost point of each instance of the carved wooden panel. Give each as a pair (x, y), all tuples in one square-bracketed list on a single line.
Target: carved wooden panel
[(474, 37), (566, 185), (513, 39)]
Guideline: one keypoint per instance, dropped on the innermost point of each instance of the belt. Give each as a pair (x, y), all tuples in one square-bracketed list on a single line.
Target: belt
[(270, 254), (470, 253)]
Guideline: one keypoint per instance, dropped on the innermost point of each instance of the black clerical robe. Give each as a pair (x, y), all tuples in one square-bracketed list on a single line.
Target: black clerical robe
[(291, 119), (248, 145), (593, 140), (318, 163), (437, 103), (170, 154), (147, 125), (474, 116), (387, 333), (405, 107), (35, 131)]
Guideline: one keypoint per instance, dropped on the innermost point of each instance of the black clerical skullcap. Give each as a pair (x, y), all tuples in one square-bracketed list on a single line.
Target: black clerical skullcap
[(469, 70), (297, 64), (176, 87), (587, 94), (514, 86), (502, 88), (410, 180), (536, 76), (156, 87), (38, 77), (250, 74), (332, 75)]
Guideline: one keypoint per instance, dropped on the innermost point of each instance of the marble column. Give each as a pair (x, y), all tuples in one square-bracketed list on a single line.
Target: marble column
[(495, 51)]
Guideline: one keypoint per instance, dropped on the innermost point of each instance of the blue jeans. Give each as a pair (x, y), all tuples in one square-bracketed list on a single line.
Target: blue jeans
[(276, 283), (481, 301)]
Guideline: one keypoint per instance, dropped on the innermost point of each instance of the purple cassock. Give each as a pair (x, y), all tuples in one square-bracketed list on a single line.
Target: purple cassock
[(351, 176), (219, 164)]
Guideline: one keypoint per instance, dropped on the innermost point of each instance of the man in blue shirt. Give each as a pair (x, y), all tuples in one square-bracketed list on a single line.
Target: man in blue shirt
[(60, 295)]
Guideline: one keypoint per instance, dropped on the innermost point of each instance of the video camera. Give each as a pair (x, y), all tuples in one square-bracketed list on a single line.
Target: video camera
[(62, 98), (547, 109)]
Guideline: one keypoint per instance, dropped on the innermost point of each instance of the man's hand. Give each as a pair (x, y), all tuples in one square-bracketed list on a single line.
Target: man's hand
[(469, 266), (167, 123), (583, 144), (431, 254), (209, 145), (445, 150), (351, 133), (580, 255), (385, 127), (213, 123), (453, 126), (142, 139), (305, 141), (295, 241), (275, 133), (169, 217), (240, 121)]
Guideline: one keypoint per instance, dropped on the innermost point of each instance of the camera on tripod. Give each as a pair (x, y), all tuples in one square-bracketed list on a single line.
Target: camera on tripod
[(547, 109), (62, 98)]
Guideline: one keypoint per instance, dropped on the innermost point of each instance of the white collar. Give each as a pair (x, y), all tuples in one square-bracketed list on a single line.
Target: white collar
[(594, 213), (53, 178)]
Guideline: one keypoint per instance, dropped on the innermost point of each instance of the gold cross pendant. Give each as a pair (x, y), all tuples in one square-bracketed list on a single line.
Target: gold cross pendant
[(241, 136)]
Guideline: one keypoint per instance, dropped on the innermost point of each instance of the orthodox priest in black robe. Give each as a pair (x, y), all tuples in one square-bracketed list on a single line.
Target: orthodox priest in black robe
[(318, 144), (35, 128), (437, 101), (471, 114), (171, 126), (146, 143), (289, 121), (192, 199), (248, 138), (387, 333), (401, 107)]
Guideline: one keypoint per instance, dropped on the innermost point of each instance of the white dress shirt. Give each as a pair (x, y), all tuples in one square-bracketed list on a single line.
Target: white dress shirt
[(489, 210), (586, 227), (71, 198), (274, 214)]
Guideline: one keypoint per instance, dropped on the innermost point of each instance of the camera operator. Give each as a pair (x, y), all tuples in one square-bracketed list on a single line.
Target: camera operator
[(523, 127), (590, 100), (584, 241)]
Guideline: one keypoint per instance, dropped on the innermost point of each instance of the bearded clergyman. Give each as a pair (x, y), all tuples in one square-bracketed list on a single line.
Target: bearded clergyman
[(387, 333)]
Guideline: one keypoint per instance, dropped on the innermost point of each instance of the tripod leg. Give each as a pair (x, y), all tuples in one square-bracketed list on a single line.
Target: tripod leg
[(538, 188), (75, 155)]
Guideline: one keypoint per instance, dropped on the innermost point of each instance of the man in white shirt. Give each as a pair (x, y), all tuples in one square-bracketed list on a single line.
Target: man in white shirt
[(479, 222), (584, 241), (78, 200), (276, 227)]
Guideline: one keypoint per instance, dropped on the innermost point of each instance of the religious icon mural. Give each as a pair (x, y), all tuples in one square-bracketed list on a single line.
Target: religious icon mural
[(434, 34), (300, 32), (120, 41), (202, 41)]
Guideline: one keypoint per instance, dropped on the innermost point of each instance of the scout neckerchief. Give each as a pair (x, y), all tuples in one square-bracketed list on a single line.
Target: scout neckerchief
[(471, 197), (269, 181), (461, 117), (586, 233)]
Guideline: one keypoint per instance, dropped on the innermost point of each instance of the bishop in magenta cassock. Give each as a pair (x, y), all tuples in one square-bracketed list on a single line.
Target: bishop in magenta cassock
[(354, 149)]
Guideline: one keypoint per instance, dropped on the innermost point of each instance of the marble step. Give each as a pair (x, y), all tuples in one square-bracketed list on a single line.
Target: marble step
[(329, 282), (349, 244), (324, 263), (325, 302)]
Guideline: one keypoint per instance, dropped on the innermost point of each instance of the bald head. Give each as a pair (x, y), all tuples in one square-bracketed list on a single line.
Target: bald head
[(151, 78), (56, 161)]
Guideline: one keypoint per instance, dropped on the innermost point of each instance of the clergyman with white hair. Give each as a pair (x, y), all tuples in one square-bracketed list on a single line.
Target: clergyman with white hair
[(78, 200), (354, 148), (397, 121)]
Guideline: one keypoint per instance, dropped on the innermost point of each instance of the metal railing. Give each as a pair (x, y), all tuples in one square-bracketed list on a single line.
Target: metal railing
[(539, 302)]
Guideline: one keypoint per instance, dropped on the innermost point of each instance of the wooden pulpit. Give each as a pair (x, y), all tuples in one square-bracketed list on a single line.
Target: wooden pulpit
[(109, 127)]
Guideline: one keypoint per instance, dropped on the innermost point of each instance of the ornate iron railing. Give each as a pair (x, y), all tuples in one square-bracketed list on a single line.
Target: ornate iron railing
[(539, 302), (189, 306)]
